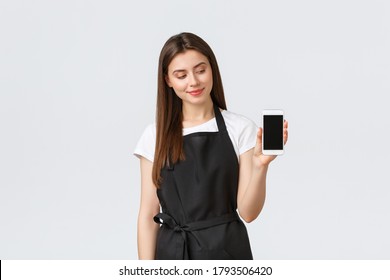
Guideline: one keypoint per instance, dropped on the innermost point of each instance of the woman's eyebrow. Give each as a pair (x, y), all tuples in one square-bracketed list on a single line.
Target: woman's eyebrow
[(199, 64), (182, 70)]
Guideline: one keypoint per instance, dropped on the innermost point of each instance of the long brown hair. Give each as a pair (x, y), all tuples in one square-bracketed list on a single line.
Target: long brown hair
[(169, 115)]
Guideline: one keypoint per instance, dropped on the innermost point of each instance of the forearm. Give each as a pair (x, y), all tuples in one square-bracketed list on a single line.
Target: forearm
[(146, 237), (252, 202), (147, 229)]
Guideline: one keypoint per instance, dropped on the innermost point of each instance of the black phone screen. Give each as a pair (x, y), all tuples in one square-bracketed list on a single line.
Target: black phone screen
[(273, 132)]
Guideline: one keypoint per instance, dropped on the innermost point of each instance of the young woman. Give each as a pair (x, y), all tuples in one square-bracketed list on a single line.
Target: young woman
[(199, 163)]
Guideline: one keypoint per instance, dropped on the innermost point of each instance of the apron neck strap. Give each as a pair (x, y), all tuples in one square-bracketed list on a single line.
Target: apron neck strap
[(220, 120)]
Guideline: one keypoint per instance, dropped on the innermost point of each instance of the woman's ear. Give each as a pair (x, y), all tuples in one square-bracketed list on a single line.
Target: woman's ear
[(167, 81)]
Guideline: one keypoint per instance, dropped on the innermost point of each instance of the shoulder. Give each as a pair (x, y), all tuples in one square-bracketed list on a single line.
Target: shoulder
[(150, 129), (237, 121), (242, 131), (149, 133)]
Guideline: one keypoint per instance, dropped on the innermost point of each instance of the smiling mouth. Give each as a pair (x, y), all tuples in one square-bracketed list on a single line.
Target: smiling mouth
[(195, 92)]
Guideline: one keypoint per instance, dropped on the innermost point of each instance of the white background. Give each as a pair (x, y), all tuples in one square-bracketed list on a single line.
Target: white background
[(78, 86)]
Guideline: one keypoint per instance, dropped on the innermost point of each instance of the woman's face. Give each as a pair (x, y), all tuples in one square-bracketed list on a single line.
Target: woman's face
[(190, 76)]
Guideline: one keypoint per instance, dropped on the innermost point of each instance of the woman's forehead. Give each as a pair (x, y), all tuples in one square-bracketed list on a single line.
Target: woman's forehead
[(187, 60)]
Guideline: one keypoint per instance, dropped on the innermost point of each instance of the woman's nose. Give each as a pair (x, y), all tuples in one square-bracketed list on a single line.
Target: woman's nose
[(193, 80)]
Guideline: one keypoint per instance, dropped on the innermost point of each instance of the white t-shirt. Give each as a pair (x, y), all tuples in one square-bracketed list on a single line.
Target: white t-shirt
[(241, 130)]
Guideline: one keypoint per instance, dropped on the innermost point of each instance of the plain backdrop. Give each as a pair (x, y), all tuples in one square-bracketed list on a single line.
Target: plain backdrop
[(78, 86)]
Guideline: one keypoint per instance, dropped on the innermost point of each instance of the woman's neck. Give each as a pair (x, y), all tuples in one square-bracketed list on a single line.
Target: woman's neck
[(197, 114)]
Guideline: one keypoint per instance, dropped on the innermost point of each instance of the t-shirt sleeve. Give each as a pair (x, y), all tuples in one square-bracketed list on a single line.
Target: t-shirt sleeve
[(248, 135), (146, 144)]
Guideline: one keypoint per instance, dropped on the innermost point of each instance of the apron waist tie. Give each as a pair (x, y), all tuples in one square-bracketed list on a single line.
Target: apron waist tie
[(182, 243)]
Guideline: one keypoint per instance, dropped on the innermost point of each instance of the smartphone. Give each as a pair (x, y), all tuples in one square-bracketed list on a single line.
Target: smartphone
[(273, 132)]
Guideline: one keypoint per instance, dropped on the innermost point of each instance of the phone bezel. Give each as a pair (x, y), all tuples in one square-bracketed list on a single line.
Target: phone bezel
[(272, 112)]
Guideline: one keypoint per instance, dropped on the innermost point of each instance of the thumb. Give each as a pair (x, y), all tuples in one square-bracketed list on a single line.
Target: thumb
[(259, 142)]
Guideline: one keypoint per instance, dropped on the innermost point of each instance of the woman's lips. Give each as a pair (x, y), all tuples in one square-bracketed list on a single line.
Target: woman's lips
[(195, 92)]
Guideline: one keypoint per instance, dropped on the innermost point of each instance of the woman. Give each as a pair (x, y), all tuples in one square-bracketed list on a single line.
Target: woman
[(199, 162)]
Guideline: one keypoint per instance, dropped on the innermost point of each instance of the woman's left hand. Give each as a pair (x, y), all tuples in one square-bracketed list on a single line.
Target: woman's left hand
[(259, 159)]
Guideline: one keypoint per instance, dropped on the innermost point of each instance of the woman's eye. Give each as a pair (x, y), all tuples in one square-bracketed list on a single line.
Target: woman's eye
[(201, 71), (182, 77)]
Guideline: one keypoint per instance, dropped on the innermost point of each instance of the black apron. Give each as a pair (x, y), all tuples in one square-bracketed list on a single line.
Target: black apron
[(198, 198)]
